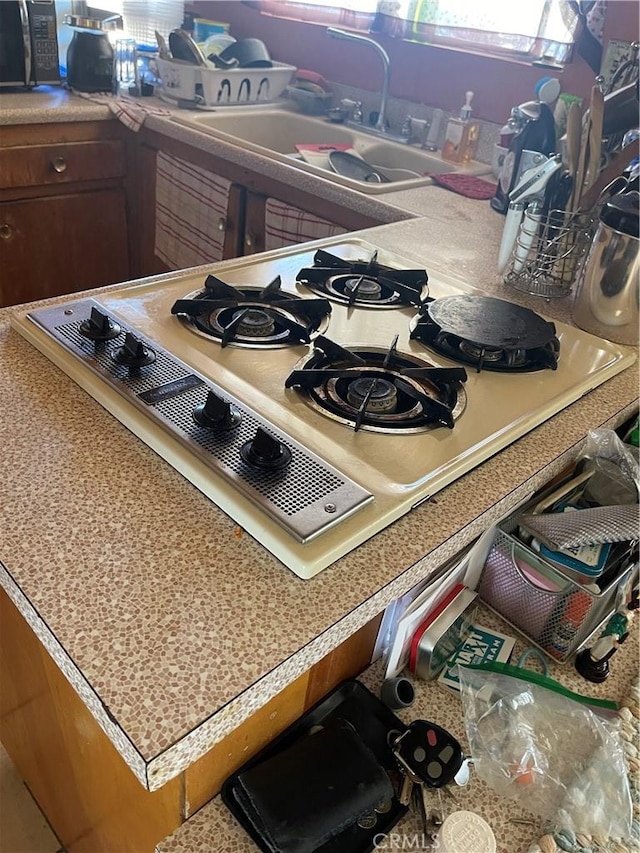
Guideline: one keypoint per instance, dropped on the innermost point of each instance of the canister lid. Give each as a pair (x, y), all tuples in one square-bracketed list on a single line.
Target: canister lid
[(621, 213), (466, 832)]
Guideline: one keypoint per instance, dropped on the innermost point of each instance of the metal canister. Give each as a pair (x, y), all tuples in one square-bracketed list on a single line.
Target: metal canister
[(442, 632), (607, 299)]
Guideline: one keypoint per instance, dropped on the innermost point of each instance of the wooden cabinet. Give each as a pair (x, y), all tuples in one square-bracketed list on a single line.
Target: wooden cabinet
[(90, 797), (63, 209), (251, 212)]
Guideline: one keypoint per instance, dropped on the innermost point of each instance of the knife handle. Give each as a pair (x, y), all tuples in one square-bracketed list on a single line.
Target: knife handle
[(510, 234)]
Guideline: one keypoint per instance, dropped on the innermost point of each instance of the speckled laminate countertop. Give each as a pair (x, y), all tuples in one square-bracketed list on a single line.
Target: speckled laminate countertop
[(173, 628), (513, 825), (48, 104)]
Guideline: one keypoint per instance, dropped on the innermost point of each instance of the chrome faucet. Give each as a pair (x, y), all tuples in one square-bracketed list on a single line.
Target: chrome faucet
[(380, 127)]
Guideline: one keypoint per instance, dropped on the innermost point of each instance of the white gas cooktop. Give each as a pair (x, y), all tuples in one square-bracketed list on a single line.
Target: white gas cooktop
[(322, 483)]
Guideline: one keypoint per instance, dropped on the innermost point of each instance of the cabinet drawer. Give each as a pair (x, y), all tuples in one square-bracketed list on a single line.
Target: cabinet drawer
[(64, 163)]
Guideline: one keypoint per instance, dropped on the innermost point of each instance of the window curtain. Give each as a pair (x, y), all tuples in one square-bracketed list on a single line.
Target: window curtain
[(352, 14), (523, 30), (589, 41), (527, 31)]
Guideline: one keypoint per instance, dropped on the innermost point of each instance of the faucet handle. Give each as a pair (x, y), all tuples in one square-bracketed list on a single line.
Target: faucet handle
[(414, 129), (355, 107), (407, 126)]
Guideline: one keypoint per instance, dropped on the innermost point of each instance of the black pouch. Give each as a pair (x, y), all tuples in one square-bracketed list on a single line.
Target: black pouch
[(301, 797)]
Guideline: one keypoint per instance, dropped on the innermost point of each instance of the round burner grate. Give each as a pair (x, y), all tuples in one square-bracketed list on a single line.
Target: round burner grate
[(378, 390)]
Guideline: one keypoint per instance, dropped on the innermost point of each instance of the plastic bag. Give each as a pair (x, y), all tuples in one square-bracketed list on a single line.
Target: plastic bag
[(616, 477), (535, 742)]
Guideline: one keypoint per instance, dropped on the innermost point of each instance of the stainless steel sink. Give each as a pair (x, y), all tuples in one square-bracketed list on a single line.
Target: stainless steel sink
[(274, 132)]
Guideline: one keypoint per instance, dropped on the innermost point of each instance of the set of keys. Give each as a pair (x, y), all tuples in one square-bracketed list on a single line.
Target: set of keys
[(430, 759)]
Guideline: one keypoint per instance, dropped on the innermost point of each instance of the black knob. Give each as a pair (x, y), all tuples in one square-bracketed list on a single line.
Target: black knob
[(216, 414), (265, 451), (133, 353), (99, 327)]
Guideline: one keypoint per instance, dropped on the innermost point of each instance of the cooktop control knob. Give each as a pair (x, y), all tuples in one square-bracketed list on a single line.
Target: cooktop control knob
[(265, 451), (99, 327), (133, 354), (216, 414)]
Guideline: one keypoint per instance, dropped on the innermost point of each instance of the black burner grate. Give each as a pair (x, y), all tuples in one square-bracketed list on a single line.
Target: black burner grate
[(363, 283), (252, 317), (379, 390)]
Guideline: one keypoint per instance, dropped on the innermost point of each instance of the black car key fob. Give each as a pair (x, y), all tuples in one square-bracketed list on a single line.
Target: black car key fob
[(430, 753)]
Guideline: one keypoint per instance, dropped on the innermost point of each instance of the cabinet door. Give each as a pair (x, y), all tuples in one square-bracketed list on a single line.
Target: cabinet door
[(197, 214), (147, 262), (61, 244)]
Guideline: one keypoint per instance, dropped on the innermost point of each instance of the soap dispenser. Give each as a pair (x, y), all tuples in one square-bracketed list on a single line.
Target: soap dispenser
[(462, 135)]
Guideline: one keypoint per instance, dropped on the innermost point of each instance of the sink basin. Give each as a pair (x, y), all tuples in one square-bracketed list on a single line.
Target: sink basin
[(275, 132)]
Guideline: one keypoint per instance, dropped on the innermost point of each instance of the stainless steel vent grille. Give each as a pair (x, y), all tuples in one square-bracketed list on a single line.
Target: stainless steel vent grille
[(299, 486), (165, 369), (306, 498)]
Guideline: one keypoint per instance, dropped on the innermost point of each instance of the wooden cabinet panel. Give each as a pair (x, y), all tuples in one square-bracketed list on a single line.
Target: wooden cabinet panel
[(346, 661), (253, 239), (64, 208), (92, 800), (61, 163), (204, 778), (271, 223), (61, 244)]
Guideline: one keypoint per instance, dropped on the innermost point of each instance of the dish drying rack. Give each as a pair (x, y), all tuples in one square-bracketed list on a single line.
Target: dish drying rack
[(212, 87)]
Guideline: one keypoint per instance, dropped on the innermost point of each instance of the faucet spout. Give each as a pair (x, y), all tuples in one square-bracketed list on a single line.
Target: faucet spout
[(335, 33)]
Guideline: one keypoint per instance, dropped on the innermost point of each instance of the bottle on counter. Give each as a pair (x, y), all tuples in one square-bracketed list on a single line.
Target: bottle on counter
[(461, 137)]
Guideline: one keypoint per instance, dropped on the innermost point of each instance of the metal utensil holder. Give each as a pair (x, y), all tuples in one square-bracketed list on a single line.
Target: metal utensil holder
[(549, 251)]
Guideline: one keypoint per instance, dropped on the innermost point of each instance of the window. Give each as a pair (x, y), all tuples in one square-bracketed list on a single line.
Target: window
[(141, 19), (525, 30)]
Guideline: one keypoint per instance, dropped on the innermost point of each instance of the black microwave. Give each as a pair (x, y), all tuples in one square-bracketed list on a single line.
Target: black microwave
[(28, 43)]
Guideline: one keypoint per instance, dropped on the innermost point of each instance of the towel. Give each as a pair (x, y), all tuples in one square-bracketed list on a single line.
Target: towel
[(191, 205), (285, 225), (466, 185), (129, 111)]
